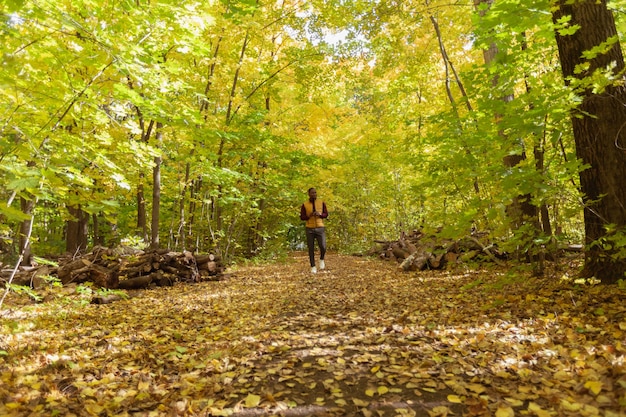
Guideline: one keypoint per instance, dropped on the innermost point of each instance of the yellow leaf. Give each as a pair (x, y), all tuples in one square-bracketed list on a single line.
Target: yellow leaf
[(360, 403), (375, 369), (568, 406), (540, 412), (12, 406), (93, 408), (594, 386), (562, 376), (370, 392), (252, 400), (439, 411), (454, 399), (476, 388), (505, 411), (88, 392), (514, 402), (341, 402), (382, 390)]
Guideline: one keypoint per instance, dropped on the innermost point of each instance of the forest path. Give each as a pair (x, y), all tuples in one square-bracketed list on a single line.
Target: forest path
[(360, 338)]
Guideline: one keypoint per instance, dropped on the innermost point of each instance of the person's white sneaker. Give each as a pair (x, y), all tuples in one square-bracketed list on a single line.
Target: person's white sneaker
[(322, 264), (313, 270)]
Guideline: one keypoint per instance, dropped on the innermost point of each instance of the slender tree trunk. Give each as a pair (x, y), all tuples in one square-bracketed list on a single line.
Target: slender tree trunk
[(539, 154), (544, 214), (220, 152), (449, 67), (142, 223), (156, 191), (599, 130), (181, 232), (98, 239), (27, 207)]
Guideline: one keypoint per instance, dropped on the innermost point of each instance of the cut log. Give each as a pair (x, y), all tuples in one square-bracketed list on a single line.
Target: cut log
[(67, 273), (436, 261), (486, 250), (135, 283), (450, 258), (103, 277), (399, 252), (210, 266), (111, 298), (104, 267), (202, 259), (416, 261)]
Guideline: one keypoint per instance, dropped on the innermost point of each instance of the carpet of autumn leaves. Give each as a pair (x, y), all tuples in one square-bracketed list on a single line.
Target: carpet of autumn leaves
[(360, 338)]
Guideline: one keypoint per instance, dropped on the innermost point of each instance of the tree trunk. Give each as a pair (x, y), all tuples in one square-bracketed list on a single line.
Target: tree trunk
[(27, 207), (98, 238), (598, 126), (448, 66), (156, 192), (142, 224), (77, 230)]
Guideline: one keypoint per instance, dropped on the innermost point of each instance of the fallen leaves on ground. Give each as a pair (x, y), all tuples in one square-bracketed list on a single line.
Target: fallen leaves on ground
[(360, 338)]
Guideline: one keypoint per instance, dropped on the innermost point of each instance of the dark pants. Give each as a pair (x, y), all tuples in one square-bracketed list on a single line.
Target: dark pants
[(319, 234)]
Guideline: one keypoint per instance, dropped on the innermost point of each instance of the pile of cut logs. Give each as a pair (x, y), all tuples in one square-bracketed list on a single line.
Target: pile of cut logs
[(416, 251), (124, 268)]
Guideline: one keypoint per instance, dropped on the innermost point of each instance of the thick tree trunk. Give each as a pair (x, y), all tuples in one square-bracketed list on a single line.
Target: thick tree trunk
[(598, 126)]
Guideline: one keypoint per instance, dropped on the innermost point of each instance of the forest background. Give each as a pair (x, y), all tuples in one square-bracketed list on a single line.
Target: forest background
[(200, 125)]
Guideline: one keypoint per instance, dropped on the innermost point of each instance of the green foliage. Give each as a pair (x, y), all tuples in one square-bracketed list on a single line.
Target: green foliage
[(24, 290), (87, 292), (255, 105), (43, 261)]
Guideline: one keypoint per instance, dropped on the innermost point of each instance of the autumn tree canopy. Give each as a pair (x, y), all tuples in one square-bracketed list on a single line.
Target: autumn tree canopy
[(200, 125)]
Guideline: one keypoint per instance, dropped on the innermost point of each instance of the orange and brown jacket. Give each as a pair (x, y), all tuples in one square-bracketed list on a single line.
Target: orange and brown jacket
[(307, 209)]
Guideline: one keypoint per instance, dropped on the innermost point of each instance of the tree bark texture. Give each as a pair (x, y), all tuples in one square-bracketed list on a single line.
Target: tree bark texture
[(599, 126), (77, 230)]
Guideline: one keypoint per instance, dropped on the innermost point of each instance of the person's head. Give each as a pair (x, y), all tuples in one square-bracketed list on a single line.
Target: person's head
[(312, 193)]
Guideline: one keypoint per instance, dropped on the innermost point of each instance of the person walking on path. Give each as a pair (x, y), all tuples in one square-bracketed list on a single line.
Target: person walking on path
[(313, 212)]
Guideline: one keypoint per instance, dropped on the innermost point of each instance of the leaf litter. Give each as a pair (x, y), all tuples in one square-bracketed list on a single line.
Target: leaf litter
[(360, 338)]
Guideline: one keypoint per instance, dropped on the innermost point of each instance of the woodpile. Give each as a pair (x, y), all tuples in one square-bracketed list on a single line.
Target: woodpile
[(417, 252), (124, 268)]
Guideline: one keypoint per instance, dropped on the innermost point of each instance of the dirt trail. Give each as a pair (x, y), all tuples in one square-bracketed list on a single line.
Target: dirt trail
[(359, 338)]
